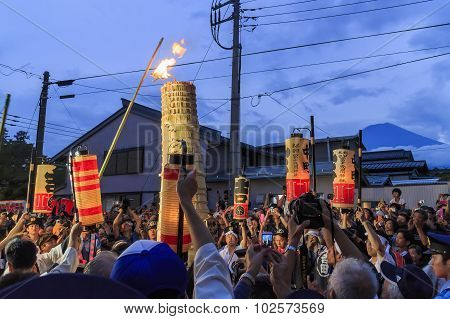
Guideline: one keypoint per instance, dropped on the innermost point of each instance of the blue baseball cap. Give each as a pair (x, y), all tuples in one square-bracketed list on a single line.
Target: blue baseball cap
[(151, 267)]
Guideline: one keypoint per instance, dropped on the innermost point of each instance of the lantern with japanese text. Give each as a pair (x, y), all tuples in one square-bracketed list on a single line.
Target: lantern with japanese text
[(344, 178), (44, 188), (297, 166), (241, 198), (86, 188)]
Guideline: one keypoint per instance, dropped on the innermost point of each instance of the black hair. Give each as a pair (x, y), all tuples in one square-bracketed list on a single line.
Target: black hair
[(14, 278), (119, 247), (408, 236), (397, 190), (417, 248), (22, 254), (394, 222)]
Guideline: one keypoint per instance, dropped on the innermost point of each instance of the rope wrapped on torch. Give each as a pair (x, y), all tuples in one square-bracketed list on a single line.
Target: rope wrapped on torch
[(86, 188)]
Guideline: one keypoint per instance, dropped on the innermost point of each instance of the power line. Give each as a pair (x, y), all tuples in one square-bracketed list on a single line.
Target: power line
[(310, 10), (51, 124), (66, 108), (348, 75), (49, 132), (55, 130), (347, 39), (278, 102), (27, 73), (335, 15), (283, 5), (275, 50), (101, 90), (213, 110)]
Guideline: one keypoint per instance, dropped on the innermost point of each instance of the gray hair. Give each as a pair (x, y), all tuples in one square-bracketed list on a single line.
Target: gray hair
[(353, 279), (391, 291)]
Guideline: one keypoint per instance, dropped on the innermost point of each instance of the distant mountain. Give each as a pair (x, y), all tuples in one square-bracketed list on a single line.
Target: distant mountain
[(390, 135)]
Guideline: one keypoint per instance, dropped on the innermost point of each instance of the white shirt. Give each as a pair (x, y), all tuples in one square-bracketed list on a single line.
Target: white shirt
[(211, 275), (401, 201), (225, 254), (379, 259)]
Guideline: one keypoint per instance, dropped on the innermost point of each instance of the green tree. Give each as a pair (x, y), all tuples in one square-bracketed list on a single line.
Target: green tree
[(14, 166)]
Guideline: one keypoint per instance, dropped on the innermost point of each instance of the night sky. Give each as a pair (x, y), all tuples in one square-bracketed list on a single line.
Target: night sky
[(72, 39)]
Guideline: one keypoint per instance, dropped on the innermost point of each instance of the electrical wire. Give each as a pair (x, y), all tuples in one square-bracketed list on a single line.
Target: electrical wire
[(334, 15), (282, 5), (55, 130), (35, 129), (27, 73), (277, 50), (213, 110), (47, 123), (354, 74), (101, 90), (310, 10), (66, 108)]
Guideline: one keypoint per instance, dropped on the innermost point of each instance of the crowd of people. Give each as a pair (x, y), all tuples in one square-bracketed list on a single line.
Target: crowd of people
[(391, 251)]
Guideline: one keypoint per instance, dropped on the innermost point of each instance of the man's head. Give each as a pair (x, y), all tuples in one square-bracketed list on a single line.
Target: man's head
[(440, 248), (312, 239), (389, 225), (416, 254), (151, 268), (396, 193), (402, 219), (403, 239), (419, 216), (231, 237), (127, 226), (21, 255), (281, 238), (46, 243), (33, 227), (412, 282), (353, 279), (152, 230)]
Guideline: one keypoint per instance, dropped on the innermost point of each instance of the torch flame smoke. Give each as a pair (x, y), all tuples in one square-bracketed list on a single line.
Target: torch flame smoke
[(163, 68), (178, 50)]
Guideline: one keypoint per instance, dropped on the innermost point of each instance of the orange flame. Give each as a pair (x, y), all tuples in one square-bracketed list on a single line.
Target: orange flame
[(178, 50), (163, 68)]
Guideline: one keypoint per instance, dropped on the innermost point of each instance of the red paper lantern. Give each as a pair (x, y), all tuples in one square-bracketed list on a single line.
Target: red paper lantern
[(297, 166), (241, 198), (344, 178), (87, 189)]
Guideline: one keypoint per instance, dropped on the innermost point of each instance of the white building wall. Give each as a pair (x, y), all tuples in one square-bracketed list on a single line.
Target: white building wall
[(412, 194)]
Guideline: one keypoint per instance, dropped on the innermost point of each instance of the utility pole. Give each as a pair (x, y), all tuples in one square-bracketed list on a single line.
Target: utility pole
[(5, 114), (360, 167), (313, 155), (41, 120), (37, 152), (235, 118), (235, 142)]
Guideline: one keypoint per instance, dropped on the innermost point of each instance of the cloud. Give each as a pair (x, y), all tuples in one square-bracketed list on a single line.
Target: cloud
[(348, 94)]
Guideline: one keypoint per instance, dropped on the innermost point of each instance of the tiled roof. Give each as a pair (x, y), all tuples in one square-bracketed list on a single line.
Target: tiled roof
[(375, 166)]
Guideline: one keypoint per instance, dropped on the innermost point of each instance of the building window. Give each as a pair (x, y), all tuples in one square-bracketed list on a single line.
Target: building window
[(127, 161)]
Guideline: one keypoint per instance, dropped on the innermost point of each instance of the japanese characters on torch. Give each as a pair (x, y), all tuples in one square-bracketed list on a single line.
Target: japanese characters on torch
[(241, 198), (297, 166), (44, 189), (344, 178)]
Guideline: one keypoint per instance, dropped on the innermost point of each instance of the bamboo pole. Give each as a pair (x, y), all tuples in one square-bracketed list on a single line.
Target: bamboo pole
[(127, 112)]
